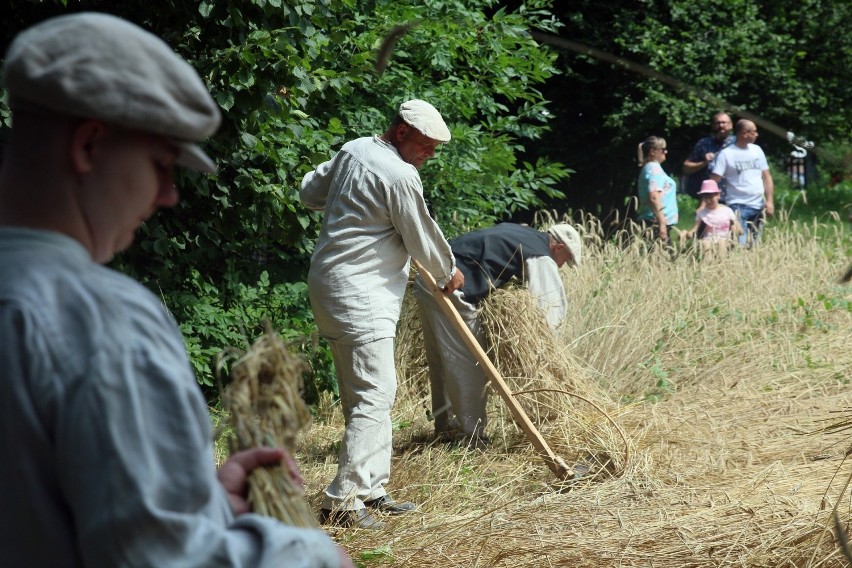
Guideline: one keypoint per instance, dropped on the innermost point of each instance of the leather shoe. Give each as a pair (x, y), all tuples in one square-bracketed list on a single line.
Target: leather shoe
[(360, 519), (386, 504), (473, 441)]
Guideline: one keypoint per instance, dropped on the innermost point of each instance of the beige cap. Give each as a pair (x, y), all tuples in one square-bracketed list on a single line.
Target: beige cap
[(92, 65), (425, 118), (568, 236)]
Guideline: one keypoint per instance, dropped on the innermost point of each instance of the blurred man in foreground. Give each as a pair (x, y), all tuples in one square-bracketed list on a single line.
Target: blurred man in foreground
[(109, 437)]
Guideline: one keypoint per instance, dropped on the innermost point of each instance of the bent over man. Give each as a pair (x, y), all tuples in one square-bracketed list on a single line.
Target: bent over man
[(375, 220), (110, 439), (489, 258)]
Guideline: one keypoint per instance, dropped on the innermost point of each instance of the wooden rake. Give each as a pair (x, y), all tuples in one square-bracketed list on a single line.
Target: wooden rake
[(556, 464)]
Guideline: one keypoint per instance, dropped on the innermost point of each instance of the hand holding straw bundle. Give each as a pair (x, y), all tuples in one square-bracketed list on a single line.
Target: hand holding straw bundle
[(266, 409)]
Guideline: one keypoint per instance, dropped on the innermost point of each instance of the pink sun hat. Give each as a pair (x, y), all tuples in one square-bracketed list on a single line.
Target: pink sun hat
[(708, 186)]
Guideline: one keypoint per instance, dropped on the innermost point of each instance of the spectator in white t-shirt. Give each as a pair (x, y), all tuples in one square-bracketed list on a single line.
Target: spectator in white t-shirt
[(750, 187)]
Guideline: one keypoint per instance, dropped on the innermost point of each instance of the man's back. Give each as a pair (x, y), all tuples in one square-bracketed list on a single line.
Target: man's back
[(493, 256), (359, 197), (742, 169)]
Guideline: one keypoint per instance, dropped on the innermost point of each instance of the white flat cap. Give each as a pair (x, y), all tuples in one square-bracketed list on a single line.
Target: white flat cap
[(98, 66), (568, 236), (425, 118)]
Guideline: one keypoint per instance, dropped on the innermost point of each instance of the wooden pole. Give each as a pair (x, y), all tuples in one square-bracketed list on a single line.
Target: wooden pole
[(556, 464)]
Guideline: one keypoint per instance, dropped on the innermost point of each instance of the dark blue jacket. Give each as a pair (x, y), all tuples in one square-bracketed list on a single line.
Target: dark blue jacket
[(490, 257)]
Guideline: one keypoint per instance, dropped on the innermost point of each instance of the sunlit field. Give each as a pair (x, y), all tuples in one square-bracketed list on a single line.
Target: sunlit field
[(686, 393)]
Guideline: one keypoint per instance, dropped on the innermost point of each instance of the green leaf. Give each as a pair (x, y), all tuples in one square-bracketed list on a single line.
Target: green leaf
[(249, 140)]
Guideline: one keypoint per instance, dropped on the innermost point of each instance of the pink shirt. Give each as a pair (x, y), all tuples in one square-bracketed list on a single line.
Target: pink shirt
[(718, 222)]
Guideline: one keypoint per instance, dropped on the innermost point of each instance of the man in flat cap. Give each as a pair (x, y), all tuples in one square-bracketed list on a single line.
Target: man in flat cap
[(107, 434), (489, 258), (375, 220)]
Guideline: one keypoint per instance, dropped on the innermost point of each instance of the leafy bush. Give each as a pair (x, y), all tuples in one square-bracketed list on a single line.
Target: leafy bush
[(294, 81)]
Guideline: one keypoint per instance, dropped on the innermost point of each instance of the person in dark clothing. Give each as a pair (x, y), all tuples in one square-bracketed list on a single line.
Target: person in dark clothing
[(488, 258), (701, 160)]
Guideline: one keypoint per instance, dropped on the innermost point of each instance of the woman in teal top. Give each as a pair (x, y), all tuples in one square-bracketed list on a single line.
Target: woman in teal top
[(657, 190)]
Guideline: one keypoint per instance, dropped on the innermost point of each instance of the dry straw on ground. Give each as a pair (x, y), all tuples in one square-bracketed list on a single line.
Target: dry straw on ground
[(266, 409), (719, 372)]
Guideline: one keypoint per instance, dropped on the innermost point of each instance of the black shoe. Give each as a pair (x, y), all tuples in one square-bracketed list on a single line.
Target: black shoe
[(445, 434), (361, 519), (479, 442), (386, 504)]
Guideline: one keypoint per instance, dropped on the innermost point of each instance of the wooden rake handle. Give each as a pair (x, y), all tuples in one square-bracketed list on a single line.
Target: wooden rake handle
[(556, 464)]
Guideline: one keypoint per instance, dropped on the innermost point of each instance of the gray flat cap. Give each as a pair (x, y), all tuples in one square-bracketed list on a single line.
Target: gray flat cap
[(92, 65)]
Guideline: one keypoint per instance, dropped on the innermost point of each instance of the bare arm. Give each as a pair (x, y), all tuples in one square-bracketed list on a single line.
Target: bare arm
[(690, 167), (769, 193), (690, 234), (655, 198), (737, 228)]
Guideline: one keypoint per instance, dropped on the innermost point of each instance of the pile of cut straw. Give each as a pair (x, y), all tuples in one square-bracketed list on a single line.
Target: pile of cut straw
[(569, 408)]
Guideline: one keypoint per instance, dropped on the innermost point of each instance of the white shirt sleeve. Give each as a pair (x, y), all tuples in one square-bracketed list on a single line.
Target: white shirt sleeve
[(316, 185), (545, 284), (422, 236)]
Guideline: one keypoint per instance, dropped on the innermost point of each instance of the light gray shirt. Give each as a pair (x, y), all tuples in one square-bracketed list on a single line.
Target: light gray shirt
[(105, 437), (375, 220)]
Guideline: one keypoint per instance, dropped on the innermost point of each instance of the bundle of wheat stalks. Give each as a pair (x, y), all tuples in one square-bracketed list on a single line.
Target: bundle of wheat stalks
[(266, 408), (569, 408)]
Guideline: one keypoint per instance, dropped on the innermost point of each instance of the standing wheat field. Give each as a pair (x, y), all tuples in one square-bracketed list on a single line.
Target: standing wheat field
[(690, 395)]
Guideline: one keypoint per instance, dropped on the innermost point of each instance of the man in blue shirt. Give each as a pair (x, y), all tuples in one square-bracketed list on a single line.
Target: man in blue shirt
[(699, 164)]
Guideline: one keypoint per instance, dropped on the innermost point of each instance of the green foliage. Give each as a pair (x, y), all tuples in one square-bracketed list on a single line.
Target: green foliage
[(763, 60), (295, 80), (772, 59), (211, 320)]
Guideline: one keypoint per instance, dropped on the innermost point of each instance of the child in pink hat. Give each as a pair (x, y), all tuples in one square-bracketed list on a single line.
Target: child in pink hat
[(716, 224)]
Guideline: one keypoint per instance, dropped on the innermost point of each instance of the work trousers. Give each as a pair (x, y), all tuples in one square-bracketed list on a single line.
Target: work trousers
[(456, 379), (366, 375)]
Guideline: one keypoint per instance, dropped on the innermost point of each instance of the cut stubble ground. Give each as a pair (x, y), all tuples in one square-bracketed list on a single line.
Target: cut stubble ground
[(689, 391)]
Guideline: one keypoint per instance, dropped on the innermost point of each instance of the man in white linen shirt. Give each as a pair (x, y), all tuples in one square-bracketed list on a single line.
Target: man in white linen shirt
[(107, 438), (375, 220)]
